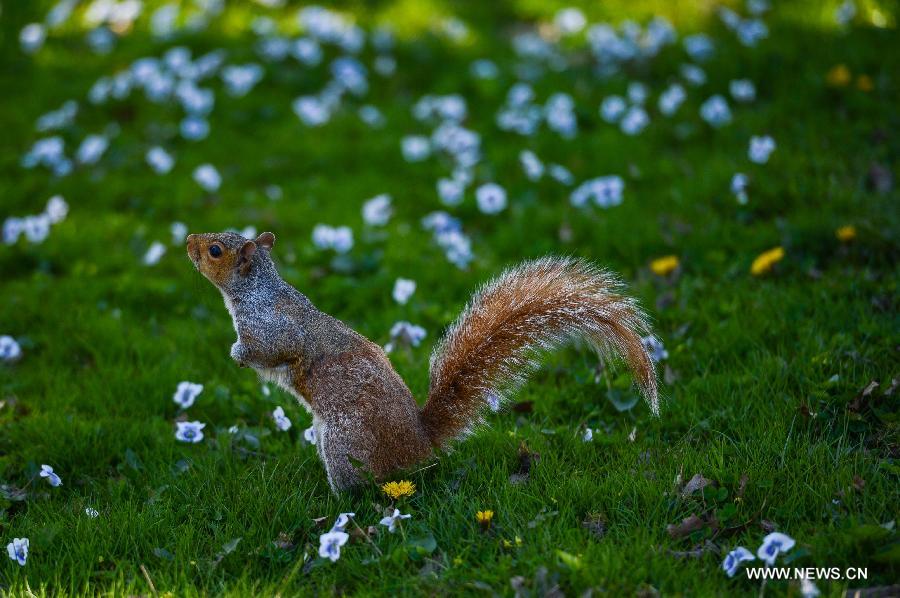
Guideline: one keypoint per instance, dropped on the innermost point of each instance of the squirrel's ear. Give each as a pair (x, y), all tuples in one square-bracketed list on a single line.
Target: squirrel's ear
[(266, 240), (248, 250)]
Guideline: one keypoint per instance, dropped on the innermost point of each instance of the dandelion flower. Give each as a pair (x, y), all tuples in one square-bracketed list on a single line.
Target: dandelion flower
[(838, 76), (665, 265), (846, 233), (864, 83), (484, 519), (766, 260), (401, 489)]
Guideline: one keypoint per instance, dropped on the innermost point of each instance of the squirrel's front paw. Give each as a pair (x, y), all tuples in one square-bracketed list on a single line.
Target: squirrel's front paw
[(239, 354)]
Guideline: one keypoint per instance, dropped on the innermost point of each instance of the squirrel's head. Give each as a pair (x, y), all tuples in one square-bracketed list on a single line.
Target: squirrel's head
[(228, 258)]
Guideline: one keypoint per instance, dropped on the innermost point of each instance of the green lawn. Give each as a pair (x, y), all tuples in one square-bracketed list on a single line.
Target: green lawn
[(762, 384)]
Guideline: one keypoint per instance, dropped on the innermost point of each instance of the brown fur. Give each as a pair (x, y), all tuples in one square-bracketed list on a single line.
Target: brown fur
[(362, 411)]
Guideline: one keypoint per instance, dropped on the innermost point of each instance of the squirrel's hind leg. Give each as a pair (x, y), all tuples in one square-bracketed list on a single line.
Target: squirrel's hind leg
[(335, 451)]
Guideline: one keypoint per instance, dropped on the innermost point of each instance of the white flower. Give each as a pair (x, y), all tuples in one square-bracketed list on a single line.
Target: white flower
[(371, 115), (57, 209), (699, 46), (634, 121), (330, 544), (734, 558), (655, 348), (341, 522), (154, 253), (761, 148), (773, 545), (91, 149), (715, 111), (179, 231), (569, 21), (377, 211), (312, 111), (561, 174), (9, 349), (189, 431), (91, 512), (309, 434), (18, 550), (391, 521), (637, 92), (340, 238), (531, 164), (240, 79), (159, 160), (739, 187), (406, 334), (605, 191), (281, 420), (693, 74), (484, 69), (844, 13), (612, 108), (403, 290), (415, 148), (186, 394), (36, 228), (588, 435), (559, 112), (742, 90), (808, 589), (671, 99), (208, 178), (52, 478), (493, 401), (491, 198), (194, 128), (32, 38), (450, 191)]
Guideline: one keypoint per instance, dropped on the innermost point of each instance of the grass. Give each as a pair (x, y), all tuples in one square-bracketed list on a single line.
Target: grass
[(760, 382)]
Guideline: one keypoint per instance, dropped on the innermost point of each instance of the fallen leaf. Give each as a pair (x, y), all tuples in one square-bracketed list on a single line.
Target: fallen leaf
[(687, 526), (861, 400), (595, 524), (695, 484)]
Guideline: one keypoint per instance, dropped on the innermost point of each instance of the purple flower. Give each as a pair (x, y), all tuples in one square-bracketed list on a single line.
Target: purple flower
[(52, 478), (18, 550), (734, 558)]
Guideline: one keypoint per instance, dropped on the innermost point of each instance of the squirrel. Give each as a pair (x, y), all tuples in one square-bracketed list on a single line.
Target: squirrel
[(365, 418)]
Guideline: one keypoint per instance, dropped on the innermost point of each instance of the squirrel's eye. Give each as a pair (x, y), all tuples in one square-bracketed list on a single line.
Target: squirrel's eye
[(215, 251)]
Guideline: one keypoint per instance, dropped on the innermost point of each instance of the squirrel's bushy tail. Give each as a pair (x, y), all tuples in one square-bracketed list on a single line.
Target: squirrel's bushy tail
[(496, 341)]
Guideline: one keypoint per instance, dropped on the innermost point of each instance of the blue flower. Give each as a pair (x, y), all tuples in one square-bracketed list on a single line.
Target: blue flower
[(309, 434), (341, 522), (189, 431), (52, 478), (330, 544), (18, 550), (186, 394), (281, 420), (773, 545), (733, 560), (391, 520)]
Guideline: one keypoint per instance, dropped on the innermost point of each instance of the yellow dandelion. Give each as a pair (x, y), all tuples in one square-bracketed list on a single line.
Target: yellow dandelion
[(484, 518), (864, 83), (764, 262), (400, 489), (839, 76), (665, 265), (846, 233)]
